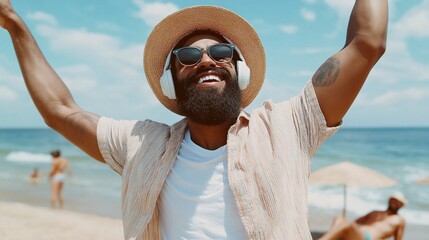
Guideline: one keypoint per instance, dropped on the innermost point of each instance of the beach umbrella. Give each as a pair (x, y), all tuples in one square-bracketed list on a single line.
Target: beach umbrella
[(423, 181), (349, 174)]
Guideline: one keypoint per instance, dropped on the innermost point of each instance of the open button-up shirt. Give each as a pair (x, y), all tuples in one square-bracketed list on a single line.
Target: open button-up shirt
[(269, 154)]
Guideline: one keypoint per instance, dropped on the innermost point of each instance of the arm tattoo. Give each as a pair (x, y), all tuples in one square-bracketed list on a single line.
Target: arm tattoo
[(327, 74)]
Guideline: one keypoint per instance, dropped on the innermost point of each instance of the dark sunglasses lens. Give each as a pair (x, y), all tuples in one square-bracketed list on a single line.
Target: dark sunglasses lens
[(189, 56), (221, 53)]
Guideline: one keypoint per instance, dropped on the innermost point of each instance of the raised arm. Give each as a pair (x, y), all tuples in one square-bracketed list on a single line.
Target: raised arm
[(338, 81), (49, 93)]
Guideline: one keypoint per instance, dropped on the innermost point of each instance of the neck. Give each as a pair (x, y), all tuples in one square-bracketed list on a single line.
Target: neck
[(210, 137), (392, 211)]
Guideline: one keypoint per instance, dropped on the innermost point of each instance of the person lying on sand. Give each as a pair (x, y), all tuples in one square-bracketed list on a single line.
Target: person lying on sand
[(374, 225)]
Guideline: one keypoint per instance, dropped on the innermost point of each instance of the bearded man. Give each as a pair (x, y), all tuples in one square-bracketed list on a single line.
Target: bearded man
[(220, 173)]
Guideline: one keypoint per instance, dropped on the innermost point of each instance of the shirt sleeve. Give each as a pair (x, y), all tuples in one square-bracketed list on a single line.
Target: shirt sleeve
[(312, 127), (113, 139)]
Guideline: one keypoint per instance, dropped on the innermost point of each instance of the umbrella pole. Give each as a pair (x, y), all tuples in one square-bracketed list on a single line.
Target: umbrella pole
[(345, 200)]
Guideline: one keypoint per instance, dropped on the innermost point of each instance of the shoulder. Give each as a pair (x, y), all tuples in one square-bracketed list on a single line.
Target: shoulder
[(396, 220)]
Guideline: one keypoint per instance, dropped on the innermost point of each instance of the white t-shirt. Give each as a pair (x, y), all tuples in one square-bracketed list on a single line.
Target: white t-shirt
[(196, 199)]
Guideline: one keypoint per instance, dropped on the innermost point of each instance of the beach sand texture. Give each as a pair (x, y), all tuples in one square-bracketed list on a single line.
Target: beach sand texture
[(20, 221)]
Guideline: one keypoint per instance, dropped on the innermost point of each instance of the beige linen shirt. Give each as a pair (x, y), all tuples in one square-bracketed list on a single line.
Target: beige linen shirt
[(269, 153)]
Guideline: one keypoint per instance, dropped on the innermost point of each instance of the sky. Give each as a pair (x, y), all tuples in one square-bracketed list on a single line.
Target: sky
[(96, 47)]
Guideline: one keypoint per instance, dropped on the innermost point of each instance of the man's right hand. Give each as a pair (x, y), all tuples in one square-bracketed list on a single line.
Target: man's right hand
[(6, 10)]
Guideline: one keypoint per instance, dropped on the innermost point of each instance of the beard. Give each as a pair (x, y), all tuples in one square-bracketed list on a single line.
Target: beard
[(209, 106)]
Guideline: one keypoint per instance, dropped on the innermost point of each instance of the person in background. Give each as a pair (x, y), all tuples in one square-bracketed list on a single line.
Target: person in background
[(374, 225), (34, 176), (57, 176)]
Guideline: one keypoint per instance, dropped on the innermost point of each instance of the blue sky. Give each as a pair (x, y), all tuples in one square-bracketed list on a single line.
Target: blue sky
[(97, 48)]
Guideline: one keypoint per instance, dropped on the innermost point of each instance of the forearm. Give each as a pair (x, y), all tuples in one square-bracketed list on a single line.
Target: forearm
[(368, 25), (49, 93), (399, 234)]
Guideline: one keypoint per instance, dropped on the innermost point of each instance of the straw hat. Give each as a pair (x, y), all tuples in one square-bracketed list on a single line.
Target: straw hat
[(174, 27), (400, 197)]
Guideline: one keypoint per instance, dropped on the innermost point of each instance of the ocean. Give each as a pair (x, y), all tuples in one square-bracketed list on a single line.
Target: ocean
[(399, 153)]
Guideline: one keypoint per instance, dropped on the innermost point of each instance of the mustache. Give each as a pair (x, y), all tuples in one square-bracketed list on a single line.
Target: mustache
[(217, 70)]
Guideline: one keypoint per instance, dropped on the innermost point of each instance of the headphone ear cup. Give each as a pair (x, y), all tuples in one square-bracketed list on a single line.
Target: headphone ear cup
[(243, 74), (167, 84)]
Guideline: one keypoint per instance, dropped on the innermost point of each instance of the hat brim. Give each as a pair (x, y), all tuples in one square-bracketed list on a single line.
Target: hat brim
[(176, 26)]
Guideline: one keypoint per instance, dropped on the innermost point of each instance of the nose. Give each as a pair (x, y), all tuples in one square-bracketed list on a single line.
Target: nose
[(206, 60)]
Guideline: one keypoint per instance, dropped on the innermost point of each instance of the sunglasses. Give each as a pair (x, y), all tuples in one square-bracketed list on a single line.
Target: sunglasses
[(190, 56)]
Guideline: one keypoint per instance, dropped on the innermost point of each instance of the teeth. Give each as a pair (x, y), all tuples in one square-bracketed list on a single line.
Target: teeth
[(209, 77)]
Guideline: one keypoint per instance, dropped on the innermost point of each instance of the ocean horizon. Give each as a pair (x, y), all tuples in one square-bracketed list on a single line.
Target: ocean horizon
[(401, 153)]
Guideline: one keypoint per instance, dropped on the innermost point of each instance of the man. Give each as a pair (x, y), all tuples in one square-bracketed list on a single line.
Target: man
[(57, 176), (220, 173), (374, 225)]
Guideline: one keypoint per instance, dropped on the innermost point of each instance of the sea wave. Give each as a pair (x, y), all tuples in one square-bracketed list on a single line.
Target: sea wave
[(28, 157), (412, 173), (6, 175)]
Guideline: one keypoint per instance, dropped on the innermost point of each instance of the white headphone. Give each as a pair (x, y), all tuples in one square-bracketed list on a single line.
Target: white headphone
[(167, 83)]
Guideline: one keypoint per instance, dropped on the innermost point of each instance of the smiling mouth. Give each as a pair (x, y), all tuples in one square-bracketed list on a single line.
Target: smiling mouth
[(209, 79)]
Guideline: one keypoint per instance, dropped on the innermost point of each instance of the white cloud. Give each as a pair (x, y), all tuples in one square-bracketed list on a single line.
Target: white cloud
[(289, 29), (6, 94), (275, 91), (414, 23), (390, 70), (308, 14), (105, 63), (153, 13), (108, 26), (9, 78), (43, 17), (98, 48), (393, 97), (398, 64), (79, 78), (78, 40), (342, 7)]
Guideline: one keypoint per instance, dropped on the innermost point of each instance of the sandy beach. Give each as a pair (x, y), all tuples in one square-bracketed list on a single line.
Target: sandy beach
[(19, 221), (93, 193)]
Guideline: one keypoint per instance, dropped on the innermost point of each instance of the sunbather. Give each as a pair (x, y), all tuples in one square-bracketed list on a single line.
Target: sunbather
[(374, 225)]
